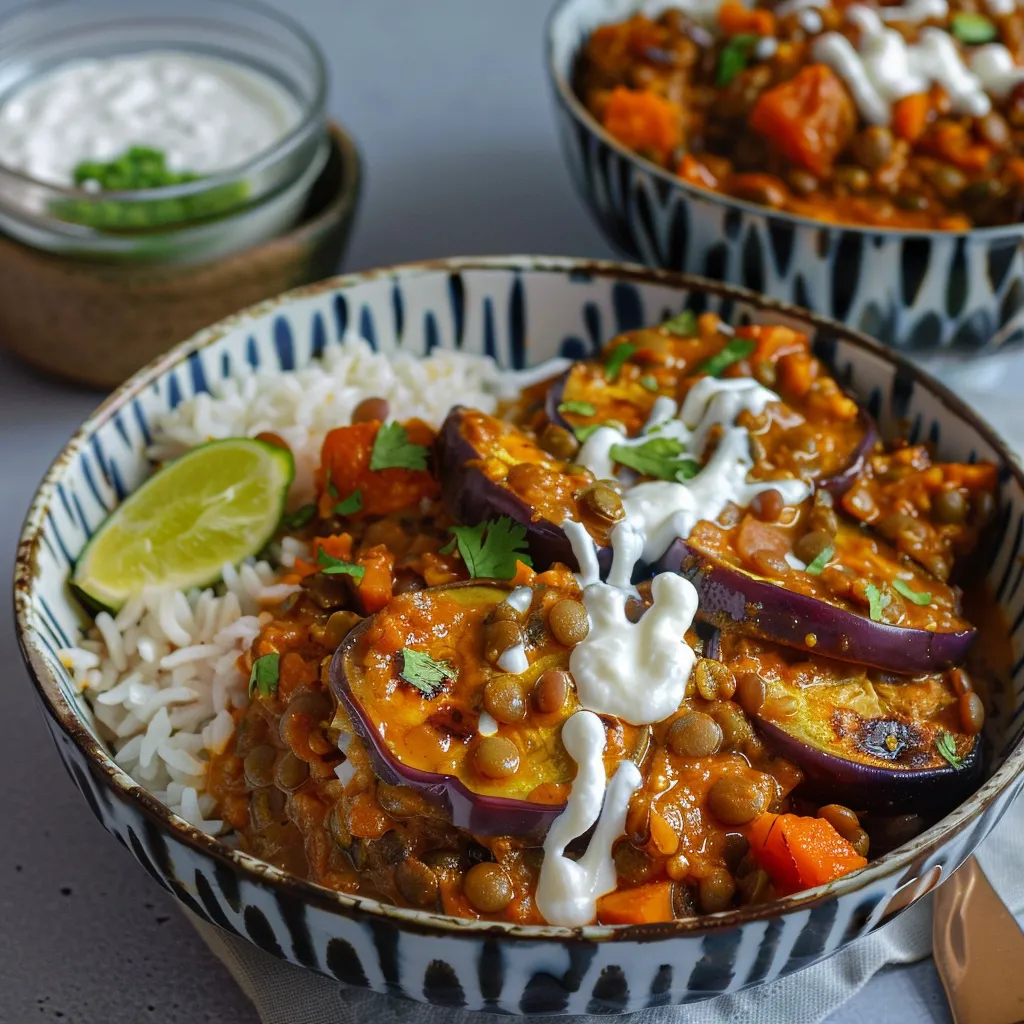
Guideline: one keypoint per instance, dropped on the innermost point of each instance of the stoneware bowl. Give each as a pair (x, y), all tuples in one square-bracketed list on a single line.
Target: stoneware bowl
[(520, 310), (922, 291), (96, 322)]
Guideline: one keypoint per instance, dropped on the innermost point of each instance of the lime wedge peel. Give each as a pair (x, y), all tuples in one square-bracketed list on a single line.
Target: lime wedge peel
[(220, 502)]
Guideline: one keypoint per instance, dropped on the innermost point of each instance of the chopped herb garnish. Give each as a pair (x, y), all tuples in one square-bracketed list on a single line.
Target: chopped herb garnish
[(138, 167), (733, 352), (353, 503), (492, 549), (921, 597), (617, 358), (392, 449), (685, 324), (329, 483), (972, 28), (661, 457), (946, 746), (301, 516), (874, 596), (577, 408), (584, 432), (264, 675), (822, 559), (448, 548), (331, 566), (427, 675), (649, 383), (734, 57)]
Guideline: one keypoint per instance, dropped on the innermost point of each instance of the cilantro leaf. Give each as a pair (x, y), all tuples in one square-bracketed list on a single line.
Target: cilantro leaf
[(301, 516), (392, 449), (427, 675), (331, 566), (660, 457), (732, 352), (331, 489), (685, 324), (577, 408), (822, 559), (264, 675), (492, 548), (649, 383), (617, 358), (353, 503), (946, 746), (733, 58), (448, 548), (874, 596), (921, 597)]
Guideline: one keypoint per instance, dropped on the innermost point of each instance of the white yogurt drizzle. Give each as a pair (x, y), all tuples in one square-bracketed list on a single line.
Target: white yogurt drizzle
[(520, 599), (639, 672), (884, 67), (568, 890), (205, 114), (487, 725), (513, 659)]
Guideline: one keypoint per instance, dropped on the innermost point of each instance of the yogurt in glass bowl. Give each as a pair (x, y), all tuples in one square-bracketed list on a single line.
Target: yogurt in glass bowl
[(128, 131)]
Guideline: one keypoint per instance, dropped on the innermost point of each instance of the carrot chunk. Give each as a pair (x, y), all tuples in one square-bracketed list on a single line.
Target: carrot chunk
[(644, 905), (799, 852), (345, 469), (643, 120), (809, 119), (735, 20), (910, 115)]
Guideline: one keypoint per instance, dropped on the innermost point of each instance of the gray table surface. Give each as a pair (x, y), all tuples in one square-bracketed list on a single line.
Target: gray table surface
[(448, 101)]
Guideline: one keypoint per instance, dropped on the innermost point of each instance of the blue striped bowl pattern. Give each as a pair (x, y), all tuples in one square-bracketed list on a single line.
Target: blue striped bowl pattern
[(520, 310), (916, 290)]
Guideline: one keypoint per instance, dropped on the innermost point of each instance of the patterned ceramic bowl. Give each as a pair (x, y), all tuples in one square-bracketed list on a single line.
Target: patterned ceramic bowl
[(520, 310), (917, 290)]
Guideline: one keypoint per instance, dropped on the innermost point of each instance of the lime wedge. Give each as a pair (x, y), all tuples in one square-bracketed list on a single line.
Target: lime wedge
[(220, 502)]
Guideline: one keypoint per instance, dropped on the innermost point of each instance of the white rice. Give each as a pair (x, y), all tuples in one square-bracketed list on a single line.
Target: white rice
[(302, 406), (161, 676)]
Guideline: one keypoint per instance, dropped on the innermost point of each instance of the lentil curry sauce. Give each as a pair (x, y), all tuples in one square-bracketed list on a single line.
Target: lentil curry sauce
[(733, 806)]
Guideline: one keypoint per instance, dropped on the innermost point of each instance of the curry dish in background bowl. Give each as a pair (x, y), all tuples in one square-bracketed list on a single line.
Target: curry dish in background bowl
[(896, 128), (660, 616)]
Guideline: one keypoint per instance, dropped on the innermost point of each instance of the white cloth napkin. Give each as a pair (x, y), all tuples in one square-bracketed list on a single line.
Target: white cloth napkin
[(283, 994)]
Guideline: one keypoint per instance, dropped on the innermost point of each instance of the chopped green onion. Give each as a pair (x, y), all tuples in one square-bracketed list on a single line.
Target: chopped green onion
[(734, 57), (921, 597), (617, 358), (874, 596), (577, 408), (733, 352), (973, 29), (820, 561), (685, 324), (946, 746), (649, 383)]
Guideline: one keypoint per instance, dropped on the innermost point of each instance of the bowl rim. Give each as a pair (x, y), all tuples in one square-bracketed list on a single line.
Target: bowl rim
[(103, 767), (568, 98), (312, 112)]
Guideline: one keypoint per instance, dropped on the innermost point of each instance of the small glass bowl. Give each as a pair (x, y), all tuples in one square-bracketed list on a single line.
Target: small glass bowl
[(196, 220)]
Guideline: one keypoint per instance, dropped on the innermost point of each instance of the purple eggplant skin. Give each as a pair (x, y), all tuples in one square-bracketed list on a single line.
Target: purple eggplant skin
[(553, 399), (839, 484), (731, 598), (870, 787), (481, 815), (471, 498)]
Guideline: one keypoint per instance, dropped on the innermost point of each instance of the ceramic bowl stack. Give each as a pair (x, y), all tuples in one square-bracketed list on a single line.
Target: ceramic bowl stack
[(520, 311)]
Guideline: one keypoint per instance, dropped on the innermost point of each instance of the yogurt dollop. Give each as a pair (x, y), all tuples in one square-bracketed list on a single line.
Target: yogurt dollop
[(206, 115)]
